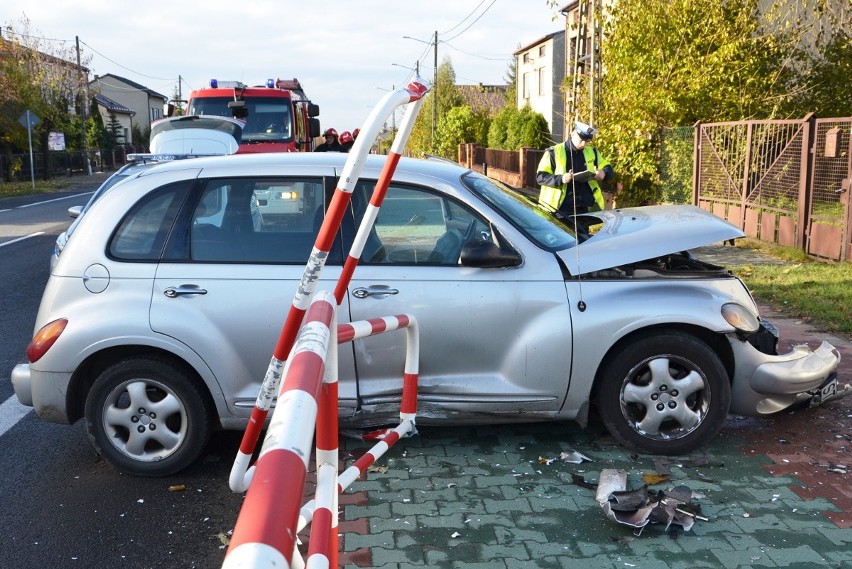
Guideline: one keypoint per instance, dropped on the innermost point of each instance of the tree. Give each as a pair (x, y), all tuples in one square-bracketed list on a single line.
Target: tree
[(43, 80), (447, 97), (676, 62), (513, 129), (115, 129), (459, 125)]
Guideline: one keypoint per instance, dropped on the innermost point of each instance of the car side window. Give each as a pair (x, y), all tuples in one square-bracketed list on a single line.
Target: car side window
[(256, 220), (142, 233), (417, 227)]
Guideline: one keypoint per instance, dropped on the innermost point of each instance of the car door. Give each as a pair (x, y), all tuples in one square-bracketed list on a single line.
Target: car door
[(230, 273), (492, 340)]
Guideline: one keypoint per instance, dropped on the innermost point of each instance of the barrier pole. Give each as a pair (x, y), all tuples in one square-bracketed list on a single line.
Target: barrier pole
[(264, 534), (241, 475), (378, 196)]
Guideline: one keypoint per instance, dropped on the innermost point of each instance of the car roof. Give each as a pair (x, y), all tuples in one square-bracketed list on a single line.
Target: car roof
[(441, 169)]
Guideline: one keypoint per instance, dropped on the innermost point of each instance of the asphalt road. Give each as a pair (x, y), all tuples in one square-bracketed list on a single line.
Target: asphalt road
[(62, 506)]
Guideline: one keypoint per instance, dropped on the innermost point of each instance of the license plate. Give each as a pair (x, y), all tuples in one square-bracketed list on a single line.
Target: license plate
[(826, 391)]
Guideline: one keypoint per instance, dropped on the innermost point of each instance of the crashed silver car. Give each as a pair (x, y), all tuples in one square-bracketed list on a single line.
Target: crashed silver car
[(159, 318)]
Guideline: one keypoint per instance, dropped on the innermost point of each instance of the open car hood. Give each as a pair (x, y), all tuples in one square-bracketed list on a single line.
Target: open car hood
[(630, 235), (198, 135)]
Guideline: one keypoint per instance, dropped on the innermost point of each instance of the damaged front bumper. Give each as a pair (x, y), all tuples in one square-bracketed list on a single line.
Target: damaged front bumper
[(765, 383)]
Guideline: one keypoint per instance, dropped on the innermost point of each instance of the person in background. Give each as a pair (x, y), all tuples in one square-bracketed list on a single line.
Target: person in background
[(331, 144), (346, 141), (570, 174), (355, 133)]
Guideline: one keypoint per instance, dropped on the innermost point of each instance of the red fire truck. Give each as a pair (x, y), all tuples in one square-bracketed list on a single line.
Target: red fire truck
[(279, 117)]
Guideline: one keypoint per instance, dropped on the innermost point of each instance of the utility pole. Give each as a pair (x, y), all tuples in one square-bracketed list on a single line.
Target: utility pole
[(85, 109), (435, 92)]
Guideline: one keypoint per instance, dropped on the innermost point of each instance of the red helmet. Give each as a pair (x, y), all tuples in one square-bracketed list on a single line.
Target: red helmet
[(345, 137), (355, 133), (330, 132)]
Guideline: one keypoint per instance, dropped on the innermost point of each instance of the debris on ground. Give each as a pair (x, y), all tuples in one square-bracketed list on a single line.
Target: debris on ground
[(639, 507)]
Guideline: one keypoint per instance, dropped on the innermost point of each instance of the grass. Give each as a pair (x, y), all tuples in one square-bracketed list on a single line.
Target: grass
[(820, 292), (10, 189)]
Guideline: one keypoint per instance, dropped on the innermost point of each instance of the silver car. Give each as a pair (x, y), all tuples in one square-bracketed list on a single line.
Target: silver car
[(160, 317)]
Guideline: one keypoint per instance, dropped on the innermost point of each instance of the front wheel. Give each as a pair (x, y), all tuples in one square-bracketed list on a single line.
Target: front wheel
[(147, 417), (664, 394)]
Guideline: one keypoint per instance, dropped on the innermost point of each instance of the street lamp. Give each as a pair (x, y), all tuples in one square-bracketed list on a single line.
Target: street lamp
[(416, 67), (434, 44)]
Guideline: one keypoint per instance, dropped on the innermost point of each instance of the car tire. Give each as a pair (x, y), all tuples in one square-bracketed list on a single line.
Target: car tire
[(147, 417), (664, 394)]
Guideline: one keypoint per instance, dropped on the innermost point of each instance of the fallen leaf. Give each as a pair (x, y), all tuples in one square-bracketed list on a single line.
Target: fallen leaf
[(223, 538), (652, 478), (380, 469), (177, 488)]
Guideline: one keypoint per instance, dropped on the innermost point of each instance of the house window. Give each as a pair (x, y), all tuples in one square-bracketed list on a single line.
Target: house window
[(155, 113), (525, 85), (541, 51), (542, 76), (526, 57)]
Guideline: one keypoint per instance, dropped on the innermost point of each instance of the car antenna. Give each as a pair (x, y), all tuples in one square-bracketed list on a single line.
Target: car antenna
[(581, 304)]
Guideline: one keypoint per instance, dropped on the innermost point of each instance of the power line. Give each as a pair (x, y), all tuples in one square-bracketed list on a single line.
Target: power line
[(127, 68), (473, 22), (464, 19), (476, 54)]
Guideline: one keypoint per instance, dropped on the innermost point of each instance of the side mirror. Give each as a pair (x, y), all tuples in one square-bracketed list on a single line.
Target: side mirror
[(487, 255), (315, 128), (313, 110), (75, 210)]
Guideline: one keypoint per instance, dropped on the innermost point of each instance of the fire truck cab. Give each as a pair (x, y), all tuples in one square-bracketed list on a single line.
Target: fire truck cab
[(278, 116)]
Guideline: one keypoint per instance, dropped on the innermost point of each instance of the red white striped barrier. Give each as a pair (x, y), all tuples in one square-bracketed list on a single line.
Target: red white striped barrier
[(270, 518), (265, 533), (241, 475)]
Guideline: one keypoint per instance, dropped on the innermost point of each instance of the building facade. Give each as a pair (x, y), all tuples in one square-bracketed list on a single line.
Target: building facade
[(540, 72)]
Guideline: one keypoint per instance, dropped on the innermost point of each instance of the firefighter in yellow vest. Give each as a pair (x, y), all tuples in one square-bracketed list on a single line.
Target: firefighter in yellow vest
[(570, 174)]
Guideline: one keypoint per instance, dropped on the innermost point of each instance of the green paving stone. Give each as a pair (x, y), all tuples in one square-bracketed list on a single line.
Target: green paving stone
[(503, 551), (656, 545), (754, 523), (801, 554), (372, 509), (486, 520), (402, 555), (536, 562), (740, 542), (378, 525), (517, 505), (695, 544), (592, 563), (751, 557), (541, 550), (411, 509), (452, 522), (773, 495), (495, 480), (562, 503), (837, 536), (355, 541), (514, 535)]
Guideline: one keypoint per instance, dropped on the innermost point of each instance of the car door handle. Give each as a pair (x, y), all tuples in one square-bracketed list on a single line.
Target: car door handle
[(183, 290), (379, 291)]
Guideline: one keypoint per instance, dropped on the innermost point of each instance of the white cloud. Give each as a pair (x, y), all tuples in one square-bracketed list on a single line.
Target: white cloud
[(341, 50)]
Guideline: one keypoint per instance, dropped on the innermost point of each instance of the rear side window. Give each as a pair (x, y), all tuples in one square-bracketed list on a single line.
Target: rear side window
[(142, 233), (249, 220)]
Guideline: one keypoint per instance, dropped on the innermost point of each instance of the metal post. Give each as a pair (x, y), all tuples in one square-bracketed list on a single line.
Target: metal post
[(85, 108), (435, 92), (30, 140)]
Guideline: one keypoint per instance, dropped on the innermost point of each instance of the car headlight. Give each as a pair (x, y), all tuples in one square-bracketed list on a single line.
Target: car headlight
[(740, 317)]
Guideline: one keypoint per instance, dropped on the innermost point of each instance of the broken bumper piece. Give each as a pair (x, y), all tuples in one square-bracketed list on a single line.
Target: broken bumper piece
[(765, 383)]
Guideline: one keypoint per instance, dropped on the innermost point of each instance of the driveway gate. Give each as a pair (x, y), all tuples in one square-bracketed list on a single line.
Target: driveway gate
[(784, 181)]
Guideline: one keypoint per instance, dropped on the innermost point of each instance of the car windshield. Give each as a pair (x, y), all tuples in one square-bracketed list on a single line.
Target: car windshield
[(540, 226), (267, 118)]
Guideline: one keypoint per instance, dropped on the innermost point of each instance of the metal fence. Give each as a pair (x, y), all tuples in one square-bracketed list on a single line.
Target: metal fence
[(16, 168), (784, 181)]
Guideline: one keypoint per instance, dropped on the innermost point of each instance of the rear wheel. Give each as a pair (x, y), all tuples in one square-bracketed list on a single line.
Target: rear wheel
[(147, 418), (664, 394)]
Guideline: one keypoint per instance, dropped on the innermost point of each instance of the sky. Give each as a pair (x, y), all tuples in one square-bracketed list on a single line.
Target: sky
[(342, 51)]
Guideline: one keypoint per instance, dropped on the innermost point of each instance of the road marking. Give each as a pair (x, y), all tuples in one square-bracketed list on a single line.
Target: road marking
[(36, 234), (54, 200), (11, 411)]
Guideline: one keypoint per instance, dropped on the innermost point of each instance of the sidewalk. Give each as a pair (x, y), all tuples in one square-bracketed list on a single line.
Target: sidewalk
[(773, 490)]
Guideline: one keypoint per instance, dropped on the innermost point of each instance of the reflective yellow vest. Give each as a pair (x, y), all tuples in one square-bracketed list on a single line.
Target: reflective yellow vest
[(553, 196)]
